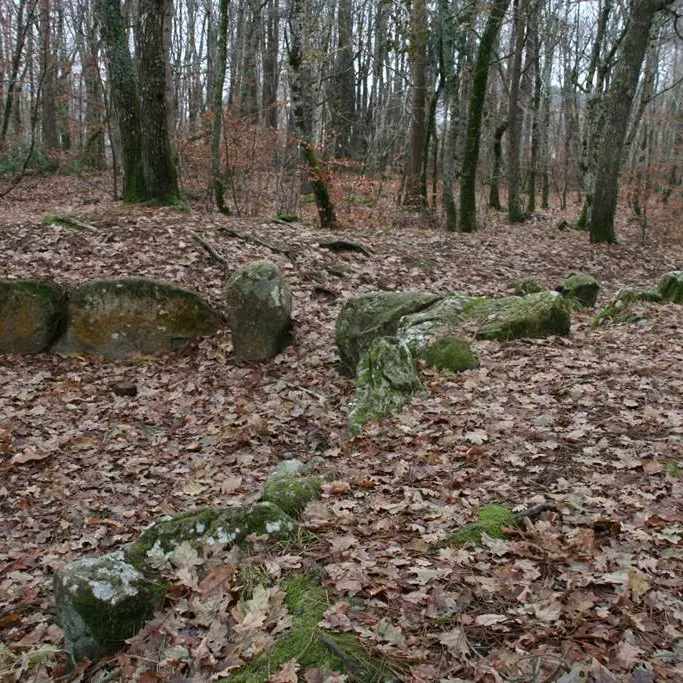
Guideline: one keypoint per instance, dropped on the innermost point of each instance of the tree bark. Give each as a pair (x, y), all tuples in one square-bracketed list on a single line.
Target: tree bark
[(221, 53), (618, 105), (515, 211), (468, 196), (152, 51)]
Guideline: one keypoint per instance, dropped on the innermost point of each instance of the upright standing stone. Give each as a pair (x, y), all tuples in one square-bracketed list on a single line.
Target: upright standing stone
[(31, 314), (259, 311)]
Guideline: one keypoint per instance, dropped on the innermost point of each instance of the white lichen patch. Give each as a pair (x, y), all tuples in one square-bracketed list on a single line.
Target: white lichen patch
[(108, 578), (273, 527)]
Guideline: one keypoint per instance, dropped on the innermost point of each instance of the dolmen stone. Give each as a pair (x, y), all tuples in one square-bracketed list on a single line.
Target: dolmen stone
[(116, 318), (259, 305), (581, 290), (671, 286), (32, 313), (102, 601)]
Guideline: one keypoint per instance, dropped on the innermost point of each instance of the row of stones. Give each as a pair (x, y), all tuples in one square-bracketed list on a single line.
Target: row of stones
[(115, 318)]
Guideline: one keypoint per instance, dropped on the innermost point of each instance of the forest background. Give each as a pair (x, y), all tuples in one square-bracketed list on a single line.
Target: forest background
[(403, 127)]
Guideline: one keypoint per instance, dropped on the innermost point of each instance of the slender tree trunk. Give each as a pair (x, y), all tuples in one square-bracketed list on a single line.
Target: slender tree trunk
[(617, 110), (270, 64), (515, 211), (302, 118), (47, 67), (418, 54), (344, 82), (124, 96), (468, 196), (494, 189), (535, 60), (152, 50), (221, 53)]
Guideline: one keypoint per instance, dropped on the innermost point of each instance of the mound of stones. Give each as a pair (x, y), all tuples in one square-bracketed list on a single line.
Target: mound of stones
[(119, 317)]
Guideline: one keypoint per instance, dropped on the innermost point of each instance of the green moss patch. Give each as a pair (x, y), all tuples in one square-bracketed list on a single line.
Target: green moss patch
[(492, 519), (291, 494), (312, 646), (527, 285), (450, 353), (627, 306), (671, 286)]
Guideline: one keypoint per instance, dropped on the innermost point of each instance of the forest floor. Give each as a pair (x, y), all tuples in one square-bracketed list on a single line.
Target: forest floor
[(591, 425)]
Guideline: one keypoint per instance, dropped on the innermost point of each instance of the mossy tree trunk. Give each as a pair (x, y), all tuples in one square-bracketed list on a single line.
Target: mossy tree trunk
[(496, 171), (151, 49), (468, 196), (515, 211), (217, 104), (619, 100), (124, 95), (316, 172)]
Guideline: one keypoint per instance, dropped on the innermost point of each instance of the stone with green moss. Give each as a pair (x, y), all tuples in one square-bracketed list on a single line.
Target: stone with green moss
[(450, 353), (367, 317), (314, 647), (492, 520), (580, 289), (671, 286), (259, 305), (526, 285), (291, 493), (385, 381), (32, 313), (102, 601), (116, 318), (627, 306), (208, 527), (528, 317)]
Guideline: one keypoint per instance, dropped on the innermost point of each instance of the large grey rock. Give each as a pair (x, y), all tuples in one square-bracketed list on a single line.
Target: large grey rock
[(102, 601), (385, 381), (367, 317), (210, 527), (134, 315), (581, 290), (31, 315), (259, 311), (671, 286)]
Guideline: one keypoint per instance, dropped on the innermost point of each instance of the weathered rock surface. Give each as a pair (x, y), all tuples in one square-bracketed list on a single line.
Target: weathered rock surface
[(291, 493), (671, 286), (450, 353), (581, 289), (367, 317), (627, 306), (210, 527), (102, 601), (527, 285), (538, 315), (31, 315), (259, 311), (385, 381), (134, 315)]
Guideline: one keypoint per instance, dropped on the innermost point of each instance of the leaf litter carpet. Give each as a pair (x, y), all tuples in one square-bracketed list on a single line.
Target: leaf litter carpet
[(591, 425)]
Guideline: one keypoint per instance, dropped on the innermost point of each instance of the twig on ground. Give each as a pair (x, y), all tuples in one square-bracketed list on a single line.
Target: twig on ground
[(246, 237), (210, 249)]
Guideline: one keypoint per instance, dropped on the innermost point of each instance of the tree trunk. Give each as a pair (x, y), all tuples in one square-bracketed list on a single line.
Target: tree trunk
[(418, 56), (270, 64), (221, 53), (468, 196), (494, 190), (152, 53), (344, 82), (124, 95), (302, 118), (617, 110), (47, 68), (515, 211)]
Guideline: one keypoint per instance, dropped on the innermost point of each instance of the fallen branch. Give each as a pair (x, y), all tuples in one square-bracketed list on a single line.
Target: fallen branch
[(69, 222), (344, 245), (246, 237), (210, 250)]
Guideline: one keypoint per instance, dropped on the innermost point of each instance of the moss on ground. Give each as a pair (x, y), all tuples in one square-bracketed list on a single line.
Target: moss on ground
[(450, 353), (492, 519), (312, 646)]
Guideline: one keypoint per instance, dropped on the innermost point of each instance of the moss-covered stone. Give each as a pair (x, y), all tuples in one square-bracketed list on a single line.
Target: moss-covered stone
[(32, 313), (314, 647), (580, 289), (627, 306), (291, 493), (671, 286), (450, 353), (527, 285), (259, 311), (115, 318), (536, 315), (102, 601), (208, 527), (365, 318), (492, 519), (385, 381)]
